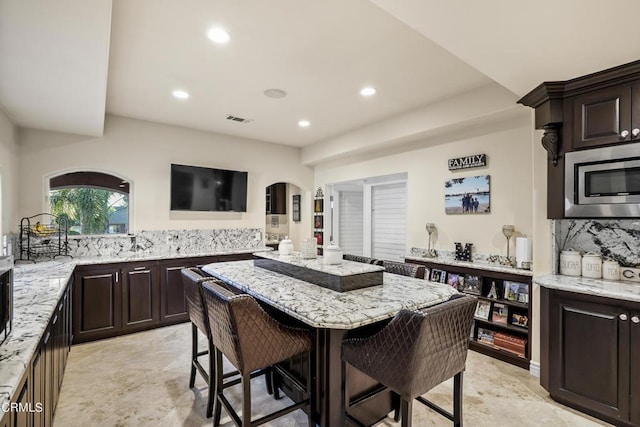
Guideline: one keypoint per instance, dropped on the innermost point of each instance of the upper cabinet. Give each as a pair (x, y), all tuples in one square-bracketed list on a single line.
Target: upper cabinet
[(605, 116), (599, 109), (276, 199)]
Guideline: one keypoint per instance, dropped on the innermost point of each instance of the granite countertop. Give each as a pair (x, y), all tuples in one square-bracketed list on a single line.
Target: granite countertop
[(479, 265), (37, 290), (346, 268), (323, 308), (628, 291)]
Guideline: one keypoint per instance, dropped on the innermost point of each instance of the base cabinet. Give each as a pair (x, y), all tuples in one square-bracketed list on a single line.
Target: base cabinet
[(591, 352), (140, 296)]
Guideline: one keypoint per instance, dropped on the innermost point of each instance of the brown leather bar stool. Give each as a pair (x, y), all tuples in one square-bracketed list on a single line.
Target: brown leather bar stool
[(362, 259), (192, 279), (415, 352), (253, 341), (404, 269)]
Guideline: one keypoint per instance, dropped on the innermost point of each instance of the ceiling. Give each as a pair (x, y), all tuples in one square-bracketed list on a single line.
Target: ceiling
[(65, 64)]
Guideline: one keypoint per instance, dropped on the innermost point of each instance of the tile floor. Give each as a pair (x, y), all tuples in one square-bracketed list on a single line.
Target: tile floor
[(142, 380)]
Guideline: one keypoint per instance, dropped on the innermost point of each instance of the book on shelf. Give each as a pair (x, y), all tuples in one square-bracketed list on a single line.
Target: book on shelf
[(485, 336), (510, 343), (516, 292), (499, 313), (483, 309)]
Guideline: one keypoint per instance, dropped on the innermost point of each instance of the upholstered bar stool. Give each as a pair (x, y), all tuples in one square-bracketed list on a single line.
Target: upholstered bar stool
[(362, 259), (192, 279), (415, 352), (404, 268), (253, 341)]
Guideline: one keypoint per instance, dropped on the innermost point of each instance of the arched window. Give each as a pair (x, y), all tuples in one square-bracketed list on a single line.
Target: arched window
[(92, 202)]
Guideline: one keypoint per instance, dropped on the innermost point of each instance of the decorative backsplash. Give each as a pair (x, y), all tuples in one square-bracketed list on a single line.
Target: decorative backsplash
[(616, 239), (161, 242)]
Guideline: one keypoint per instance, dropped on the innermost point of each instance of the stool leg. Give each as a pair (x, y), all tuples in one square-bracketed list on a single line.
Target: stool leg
[(406, 406), (217, 403), (246, 400), (194, 355), (268, 378), (212, 379), (457, 400)]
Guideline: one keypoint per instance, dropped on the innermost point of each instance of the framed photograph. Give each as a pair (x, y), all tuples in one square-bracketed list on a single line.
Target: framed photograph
[(499, 313), (318, 205), (485, 336), (483, 309), (296, 208), (452, 280), (470, 195), (318, 236), (472, 284), (318, 221), (520, 320), (438, 276), (516, 292)]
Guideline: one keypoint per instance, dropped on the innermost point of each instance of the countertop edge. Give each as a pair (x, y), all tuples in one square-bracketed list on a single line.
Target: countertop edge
[(627, 291)]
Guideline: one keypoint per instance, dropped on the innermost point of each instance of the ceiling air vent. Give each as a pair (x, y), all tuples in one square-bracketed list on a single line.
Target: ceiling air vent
[(238, 119)]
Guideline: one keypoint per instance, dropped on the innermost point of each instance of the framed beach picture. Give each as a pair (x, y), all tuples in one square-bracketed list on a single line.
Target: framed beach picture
[(470, 195)]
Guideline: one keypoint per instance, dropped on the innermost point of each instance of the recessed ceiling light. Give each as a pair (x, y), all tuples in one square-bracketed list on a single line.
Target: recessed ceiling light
[(218, 35), (368, 91), (275, 93), (180, 94), (304, 123)]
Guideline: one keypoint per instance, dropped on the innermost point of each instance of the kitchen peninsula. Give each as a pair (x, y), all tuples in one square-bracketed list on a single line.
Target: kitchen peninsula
[(332, 315)]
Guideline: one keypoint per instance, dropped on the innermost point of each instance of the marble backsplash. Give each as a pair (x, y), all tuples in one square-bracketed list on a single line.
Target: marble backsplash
[(618, 239), (170, 242)]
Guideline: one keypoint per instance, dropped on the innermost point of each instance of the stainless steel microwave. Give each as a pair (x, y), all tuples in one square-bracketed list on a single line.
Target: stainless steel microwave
[(603, 182)]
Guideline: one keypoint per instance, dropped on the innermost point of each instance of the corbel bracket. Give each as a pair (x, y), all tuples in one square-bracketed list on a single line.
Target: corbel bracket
[(551, 141)]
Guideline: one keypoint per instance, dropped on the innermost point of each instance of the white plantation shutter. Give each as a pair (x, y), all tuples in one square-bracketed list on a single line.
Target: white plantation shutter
[(388, 221), (350, 222)]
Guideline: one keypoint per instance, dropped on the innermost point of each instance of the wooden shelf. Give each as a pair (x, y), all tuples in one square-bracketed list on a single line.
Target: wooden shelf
[(506, 327)]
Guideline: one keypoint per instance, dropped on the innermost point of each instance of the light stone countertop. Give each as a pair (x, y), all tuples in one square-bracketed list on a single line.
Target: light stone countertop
[(324, 308), (479, 265), (628, 291), (37, 291), (345, 268)]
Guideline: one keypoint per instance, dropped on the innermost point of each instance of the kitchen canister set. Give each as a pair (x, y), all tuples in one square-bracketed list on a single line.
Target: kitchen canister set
[(590, 265)]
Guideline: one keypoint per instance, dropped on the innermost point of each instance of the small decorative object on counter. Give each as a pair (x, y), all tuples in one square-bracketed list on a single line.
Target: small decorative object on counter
[(332, 254), (309, 248), (431, 228), (523, 252), (286, 246), (592, 265), (507, 231), (610, 270), (463, 254), (570, 263), (493, 293)]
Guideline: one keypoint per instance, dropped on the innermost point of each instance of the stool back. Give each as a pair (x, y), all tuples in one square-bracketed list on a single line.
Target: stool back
[(404, 269), (362, 259), (192, 279), (417, 350)]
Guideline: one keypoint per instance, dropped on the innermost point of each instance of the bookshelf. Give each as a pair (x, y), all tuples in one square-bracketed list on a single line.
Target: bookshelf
[(501, 327)]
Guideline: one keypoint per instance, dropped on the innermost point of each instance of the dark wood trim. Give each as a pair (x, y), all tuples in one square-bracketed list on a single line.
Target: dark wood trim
[(89, 179)]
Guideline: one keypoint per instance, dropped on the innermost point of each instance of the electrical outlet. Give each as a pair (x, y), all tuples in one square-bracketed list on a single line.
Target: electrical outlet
[(258, 236)]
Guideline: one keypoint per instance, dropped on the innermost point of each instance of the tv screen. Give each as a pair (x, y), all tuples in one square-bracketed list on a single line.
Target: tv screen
[(205, 189)]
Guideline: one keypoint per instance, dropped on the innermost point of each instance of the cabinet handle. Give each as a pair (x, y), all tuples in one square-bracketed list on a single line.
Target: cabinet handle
[(635, 132), (623, 317), (139, 268), (635, 319), (116, 276), (624, 134)]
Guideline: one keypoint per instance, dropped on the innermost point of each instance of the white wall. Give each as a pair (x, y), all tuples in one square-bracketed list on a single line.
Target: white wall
[(8, 175), (142, 152), (509, 164)]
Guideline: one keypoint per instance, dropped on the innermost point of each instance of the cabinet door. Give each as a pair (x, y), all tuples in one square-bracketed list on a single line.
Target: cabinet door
[(599, 118), (634, 374), (41, 384), (279, 198), (21, 414), (6, 420), (589, 356), (172, 297), (97, 306), (140, 296)]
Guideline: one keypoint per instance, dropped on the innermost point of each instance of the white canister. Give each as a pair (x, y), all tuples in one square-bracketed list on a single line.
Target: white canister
[(570, 263), (332, 254), (285, 247), (592, 265), (610, 270)]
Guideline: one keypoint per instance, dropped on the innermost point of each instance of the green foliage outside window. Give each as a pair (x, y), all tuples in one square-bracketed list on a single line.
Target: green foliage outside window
[(91, 210)]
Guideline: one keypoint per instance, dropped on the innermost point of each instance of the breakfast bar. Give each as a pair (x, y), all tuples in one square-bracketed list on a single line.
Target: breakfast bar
[(332, 315)]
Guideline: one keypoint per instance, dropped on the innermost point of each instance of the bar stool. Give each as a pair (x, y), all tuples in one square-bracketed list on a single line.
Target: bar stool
[(404, 269), (415, 352), (253, 341), (362, 259)]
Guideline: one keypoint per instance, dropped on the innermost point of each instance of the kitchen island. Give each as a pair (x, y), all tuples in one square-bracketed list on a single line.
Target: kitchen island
[(333, 315)]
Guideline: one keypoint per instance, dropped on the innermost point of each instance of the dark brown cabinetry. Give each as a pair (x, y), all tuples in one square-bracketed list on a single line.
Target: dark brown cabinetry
[(140, 296), (588, 354), (97, 304), (21, 414), (276, 199), (589, 111)]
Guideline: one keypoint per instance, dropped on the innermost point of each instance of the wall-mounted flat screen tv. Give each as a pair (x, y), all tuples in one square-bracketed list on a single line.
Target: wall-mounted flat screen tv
[(196, 188)]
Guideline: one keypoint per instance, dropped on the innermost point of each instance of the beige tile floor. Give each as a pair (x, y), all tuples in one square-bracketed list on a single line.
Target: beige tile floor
[(142, 380)]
